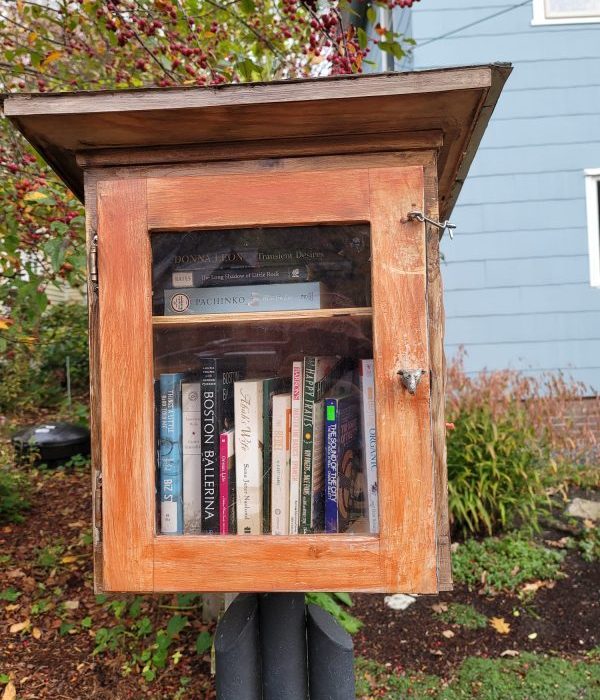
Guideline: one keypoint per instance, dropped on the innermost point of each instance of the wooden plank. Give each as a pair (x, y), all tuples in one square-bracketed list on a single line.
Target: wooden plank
[(242, 563), (126, 386), (264, 200), (263, 317), (404, 449), (330, 88), (270, 148), (437, 359)]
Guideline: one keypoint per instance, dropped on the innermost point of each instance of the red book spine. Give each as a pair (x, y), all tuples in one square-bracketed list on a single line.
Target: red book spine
[(224, 485)]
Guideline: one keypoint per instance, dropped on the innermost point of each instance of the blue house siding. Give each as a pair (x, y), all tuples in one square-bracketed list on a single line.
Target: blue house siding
[(517, 273)]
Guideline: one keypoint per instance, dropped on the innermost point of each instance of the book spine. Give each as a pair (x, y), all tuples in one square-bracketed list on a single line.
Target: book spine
[(192, 458), (224, 486), (369, 440), (248, 456), (308, 401), (317, 523), (296, 446), (331, 466), (170, 462), (280, 472), (210, 447), (207, 277), (243, 299)]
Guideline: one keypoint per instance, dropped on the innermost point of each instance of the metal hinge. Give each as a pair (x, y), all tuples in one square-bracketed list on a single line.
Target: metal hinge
[(443, 226), (93, 264)]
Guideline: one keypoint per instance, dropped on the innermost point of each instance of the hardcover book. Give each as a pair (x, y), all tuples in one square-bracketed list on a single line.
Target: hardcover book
[(227, 524), (170, 462), (296, 446), (192, 458), (271, 387), (280, 472), (243, 299), (249, 455), (217, 377), (342, 463), (369, 440)]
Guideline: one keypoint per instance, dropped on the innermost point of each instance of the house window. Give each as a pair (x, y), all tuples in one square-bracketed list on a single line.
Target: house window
[(565, 11), (592, 196)]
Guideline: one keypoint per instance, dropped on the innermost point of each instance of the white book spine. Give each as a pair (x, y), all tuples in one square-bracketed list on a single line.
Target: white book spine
[(369, 440), (280, 464), (191, 450), (296, 446), (248, 401)]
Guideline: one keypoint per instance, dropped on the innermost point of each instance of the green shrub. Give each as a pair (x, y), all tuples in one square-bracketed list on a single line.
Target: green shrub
[(335, 604), (464, 615), (504, 563), (33, 371), (14, 489), (495, 472)]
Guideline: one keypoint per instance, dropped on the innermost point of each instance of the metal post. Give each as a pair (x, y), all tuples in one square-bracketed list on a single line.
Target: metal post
[(283, 646), (330, 658)]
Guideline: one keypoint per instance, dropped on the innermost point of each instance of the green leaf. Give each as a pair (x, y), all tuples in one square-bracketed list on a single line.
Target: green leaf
[(203, 642), (10, 595), (86, 623), (363, 39), (371, 15), (247, 6), (176, 624), (344, 598), (65, 628)]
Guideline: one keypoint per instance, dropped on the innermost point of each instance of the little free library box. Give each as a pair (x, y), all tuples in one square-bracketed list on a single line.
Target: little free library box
[(266, 324)]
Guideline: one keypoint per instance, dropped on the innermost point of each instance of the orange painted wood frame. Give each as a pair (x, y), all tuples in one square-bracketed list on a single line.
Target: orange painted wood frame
[(402, 557)]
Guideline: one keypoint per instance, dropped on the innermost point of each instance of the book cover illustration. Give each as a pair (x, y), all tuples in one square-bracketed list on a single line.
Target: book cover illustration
[(170, 457), (227, 507), (280, 460), (248, 399), (271, 387), (344, 483), (192, 458), (217, 377), (369, 440), (243, 299)]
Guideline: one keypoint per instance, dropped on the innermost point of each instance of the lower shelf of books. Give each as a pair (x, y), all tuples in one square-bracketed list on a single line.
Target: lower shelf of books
[(266, 431)]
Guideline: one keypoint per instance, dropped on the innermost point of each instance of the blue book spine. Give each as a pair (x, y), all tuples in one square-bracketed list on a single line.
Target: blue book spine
[(331, 465), (170, 461)]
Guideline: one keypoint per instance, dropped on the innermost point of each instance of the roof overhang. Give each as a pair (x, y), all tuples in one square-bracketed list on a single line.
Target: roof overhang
[(455, 102)]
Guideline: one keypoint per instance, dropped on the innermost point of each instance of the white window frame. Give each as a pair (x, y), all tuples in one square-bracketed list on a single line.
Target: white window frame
[(539, 16), (592, 198)]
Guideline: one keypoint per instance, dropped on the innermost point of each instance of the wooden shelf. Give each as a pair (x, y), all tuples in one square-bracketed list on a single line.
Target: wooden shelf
[(262, 317)]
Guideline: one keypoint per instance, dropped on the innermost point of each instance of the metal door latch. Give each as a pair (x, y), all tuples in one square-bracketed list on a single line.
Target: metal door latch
[(410, 378), (445, 226), (93, 263)]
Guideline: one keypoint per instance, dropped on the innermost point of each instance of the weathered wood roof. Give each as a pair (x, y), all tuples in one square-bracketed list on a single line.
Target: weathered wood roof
[(455, 102)]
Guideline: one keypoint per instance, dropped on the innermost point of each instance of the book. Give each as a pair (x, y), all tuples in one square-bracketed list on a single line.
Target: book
[(192, 458), (248, 402), (296, 446), (220, 277), (170, 463), (320, 375), (243, 299), (227, 520), (217, 377), (271, 387), (369, 440), (280, 460), (342, 462)]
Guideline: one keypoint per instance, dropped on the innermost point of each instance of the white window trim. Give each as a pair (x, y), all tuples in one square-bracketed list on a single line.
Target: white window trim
[(592, 197), (539, 17)]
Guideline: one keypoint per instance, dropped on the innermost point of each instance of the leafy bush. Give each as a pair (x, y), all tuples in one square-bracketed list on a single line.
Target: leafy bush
[(33, 371), (13, 495), (332, 603), (504, 564), (494, 470)]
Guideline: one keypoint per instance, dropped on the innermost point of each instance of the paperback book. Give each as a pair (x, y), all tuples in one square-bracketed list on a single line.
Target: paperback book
[(296, 446), (217, 377), (243, 299), (280, 460), (342, 463), (170, 463), (221, 277), (227, 507), (369, 440), (192, 458), (249, 455)]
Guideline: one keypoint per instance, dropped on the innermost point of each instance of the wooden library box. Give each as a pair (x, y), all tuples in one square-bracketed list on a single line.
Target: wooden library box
[(266, 324)]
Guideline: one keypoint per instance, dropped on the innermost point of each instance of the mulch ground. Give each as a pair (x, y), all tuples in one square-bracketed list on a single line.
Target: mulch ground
[(48, 659)]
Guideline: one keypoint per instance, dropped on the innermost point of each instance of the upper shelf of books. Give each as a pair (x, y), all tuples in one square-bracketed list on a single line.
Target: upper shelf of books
[(261, 274)]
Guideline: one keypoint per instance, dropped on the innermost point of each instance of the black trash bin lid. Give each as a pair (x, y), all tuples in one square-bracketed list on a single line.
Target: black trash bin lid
[(53, 440)]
